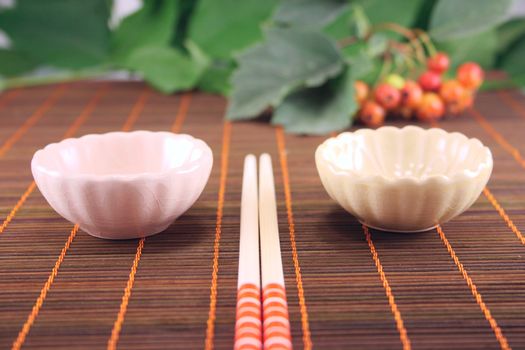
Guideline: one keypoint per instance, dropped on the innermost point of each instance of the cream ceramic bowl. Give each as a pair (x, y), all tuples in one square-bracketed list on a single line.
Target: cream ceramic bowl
[(403, 180), (123, 185)]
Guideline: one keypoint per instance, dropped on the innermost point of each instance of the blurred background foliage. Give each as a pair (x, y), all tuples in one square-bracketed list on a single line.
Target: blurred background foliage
[(258, 52)]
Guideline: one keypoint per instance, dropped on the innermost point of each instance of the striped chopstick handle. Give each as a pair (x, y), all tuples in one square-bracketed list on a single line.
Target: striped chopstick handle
[(248, 327), (276, 323)]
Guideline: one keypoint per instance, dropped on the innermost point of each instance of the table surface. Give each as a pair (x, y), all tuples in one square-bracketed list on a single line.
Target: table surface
[(459, 288)]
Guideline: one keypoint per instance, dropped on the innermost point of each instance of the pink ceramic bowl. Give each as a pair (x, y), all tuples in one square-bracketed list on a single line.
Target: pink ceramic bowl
[(123, 185)]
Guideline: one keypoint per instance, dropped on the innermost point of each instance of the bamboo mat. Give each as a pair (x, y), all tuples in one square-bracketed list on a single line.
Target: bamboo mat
[(460, 288)]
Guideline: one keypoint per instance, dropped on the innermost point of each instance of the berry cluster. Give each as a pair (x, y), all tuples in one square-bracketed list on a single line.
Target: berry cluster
[(428, 98)]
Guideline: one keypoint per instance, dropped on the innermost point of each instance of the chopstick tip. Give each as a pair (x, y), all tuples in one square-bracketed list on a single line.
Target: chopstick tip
[(250, 158), (265, 157)]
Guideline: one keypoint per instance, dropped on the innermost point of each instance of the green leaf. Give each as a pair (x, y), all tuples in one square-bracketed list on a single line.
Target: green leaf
[(363, 13), (216, 79), (319, 110), (288, 59), (340, 27), (152, 25), (403, 12), (377, 44), (480, 48), (308, 13), (167, 69), (62, 33), (197, 54), (14, 63), (222, 27), (509, 32), (351, 22), (454, 19), (513, 63), (216, 76), (363, 66)]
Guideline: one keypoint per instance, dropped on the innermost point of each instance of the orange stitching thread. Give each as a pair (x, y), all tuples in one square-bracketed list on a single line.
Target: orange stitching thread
[(47, 286), (33, 119), (210, 324), (128, 124), (509, 100), (307, 341), (112, 342), (393, 306), (136, 110), (84, 114), (498, 208), (497, 136), (17, 206), (36, 308), (503, 214), (17, 344), (182, 112), (486, 312), (8, 97)]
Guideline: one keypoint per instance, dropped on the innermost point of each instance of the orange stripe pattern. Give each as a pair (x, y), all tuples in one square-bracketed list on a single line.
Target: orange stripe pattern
[(17, 344), (112, 342), (498, 137), (276, 322), (84, 114), (71, 131), (248, 327), (182, 112), (7, 97), (128, 125), (474, 290), (516, 106), (503, 214), (33, 119), (307, 341), (210, 324), (403, 336), (136, 110), (17, 206), (499, 208)]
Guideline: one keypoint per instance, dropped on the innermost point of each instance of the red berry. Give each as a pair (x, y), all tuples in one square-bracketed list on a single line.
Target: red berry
[(361, 91), (430, 108), (411, 94), (452, 93), (470, 75), (467, 100), (404, 112), (395, 80), (430, 81), (372, 114), (387, 96), (438, 63)]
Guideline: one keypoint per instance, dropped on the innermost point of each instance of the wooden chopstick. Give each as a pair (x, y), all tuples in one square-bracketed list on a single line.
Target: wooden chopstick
[(248, 325), (276, 323)]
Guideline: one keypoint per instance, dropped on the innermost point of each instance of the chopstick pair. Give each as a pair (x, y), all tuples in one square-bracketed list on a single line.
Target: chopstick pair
[(261, 322)]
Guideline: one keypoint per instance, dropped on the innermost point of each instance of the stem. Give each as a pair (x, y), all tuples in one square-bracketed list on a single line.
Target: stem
[(426, 41), (394, 27), (54, 77), (408, 34), (347, 41), (385, 68)]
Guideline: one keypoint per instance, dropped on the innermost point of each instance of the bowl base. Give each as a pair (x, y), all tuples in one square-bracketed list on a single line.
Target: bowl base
[(120, 236), (398, 231)]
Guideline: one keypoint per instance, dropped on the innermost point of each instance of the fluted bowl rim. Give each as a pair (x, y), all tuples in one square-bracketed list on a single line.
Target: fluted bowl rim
[(357, 176), (38, 163)]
